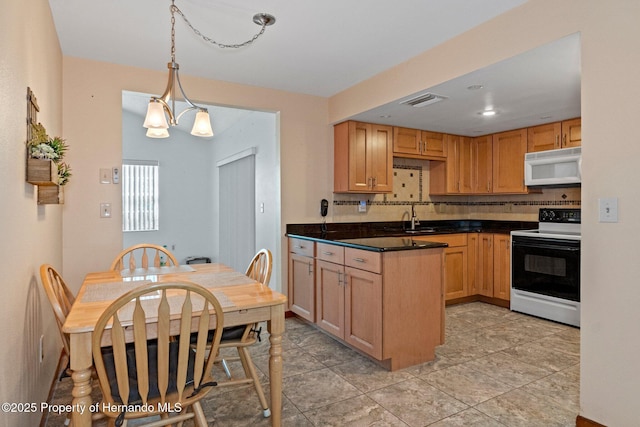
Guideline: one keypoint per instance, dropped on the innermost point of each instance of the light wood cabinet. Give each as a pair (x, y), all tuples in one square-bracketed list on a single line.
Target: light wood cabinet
[(301, 280), (502, 266), (491, 264), (349, 300), (551, 136), (363, 158), (389, 305), (456, 283), (509, 149), (419, 144), (468, 168), (363, 311), (572, 133)]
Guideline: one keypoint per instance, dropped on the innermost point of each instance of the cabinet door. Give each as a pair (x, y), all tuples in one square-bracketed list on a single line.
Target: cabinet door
[(301, 286), (473, 242), (433, 144), (455, 272), (509, 149), (363, 311), (484, 265), (482, 164), (501, 266), (330, 297), (572, 133), (406, 141), (466, 165), (380, 156), (359, 140), (544, 137)]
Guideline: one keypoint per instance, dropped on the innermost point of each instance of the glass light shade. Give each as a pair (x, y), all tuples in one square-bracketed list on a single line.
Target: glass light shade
[(157, 133), (202, 125), (155, 118)]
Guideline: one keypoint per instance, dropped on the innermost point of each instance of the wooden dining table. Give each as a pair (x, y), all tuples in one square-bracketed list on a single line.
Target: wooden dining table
[(243, 301)]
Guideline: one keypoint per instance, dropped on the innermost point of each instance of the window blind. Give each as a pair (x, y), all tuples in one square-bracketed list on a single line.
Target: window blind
[(140, 195)]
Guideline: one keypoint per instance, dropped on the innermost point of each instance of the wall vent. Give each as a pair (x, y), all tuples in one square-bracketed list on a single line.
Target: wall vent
[(423, 100)]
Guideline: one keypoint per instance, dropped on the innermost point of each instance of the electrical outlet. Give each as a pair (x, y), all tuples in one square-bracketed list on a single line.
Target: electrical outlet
[(362, 207), (608, 209)]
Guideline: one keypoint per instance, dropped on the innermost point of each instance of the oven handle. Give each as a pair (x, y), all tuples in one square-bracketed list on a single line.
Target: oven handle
[(515, 243)]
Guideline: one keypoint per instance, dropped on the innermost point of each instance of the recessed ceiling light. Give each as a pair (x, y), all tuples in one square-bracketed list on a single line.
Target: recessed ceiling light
[(488, 113), (475, 87)]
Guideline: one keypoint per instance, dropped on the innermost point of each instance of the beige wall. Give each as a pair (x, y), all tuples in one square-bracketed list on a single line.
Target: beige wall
[(31, 234), (610, 373)]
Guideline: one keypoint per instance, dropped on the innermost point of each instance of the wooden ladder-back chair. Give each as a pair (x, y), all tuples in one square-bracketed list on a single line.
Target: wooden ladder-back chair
[(61, 300), (139, 256), (169, 373), (241, 337)]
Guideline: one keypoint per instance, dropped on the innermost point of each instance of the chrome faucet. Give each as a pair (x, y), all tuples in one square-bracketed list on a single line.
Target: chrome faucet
[(414, 218)]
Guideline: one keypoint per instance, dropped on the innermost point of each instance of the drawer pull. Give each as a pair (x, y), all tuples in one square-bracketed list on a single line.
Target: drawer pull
[(360, 260), (327, 253), (299, 247)]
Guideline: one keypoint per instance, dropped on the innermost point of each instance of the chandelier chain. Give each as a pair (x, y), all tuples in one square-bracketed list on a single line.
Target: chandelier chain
[(174, 9)]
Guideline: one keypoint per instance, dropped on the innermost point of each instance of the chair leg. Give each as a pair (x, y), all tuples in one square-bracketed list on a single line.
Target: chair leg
[(250, 371), (199, 419)]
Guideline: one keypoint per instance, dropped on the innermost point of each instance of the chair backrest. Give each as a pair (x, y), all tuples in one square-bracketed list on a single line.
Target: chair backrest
[(260, 267), (138, 256), (60, 297), (166, 363)]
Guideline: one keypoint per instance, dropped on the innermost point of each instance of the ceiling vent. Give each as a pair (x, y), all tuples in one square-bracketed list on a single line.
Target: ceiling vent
[(423, 100)]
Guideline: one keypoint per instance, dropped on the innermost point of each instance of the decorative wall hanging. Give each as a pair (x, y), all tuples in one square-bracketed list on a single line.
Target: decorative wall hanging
[(45, 154)]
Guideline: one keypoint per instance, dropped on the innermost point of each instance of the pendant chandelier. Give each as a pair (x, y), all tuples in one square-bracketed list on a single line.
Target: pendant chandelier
[(165, 105)]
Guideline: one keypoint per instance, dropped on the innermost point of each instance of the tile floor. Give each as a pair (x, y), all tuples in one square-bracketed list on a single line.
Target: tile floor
[(497, 368)]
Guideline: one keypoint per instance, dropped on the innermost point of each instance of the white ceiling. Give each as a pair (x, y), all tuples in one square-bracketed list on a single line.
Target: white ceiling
[(322, 48)]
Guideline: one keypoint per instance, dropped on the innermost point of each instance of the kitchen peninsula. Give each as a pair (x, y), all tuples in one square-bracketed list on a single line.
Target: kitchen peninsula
[(379, 287)]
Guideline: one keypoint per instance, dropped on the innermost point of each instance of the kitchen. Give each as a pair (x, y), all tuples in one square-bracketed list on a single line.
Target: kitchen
[(608, 111)]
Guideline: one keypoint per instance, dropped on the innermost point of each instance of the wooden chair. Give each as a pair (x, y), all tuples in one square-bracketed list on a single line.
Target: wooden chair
[(241, 337), (61, 300), (168, 373), (136, 256)]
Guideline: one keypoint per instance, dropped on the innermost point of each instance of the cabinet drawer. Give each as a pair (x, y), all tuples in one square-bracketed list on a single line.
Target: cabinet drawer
[(301, 247), (450, 239), (363, 260), (331, 253)]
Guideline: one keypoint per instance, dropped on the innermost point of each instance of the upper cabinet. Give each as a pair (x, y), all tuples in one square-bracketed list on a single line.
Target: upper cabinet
[(551, 136), (509, 149), (468, 168), (419, 144), (363, 158)]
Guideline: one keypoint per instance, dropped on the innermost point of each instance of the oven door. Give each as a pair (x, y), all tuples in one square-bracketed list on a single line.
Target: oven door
[(546, 266)]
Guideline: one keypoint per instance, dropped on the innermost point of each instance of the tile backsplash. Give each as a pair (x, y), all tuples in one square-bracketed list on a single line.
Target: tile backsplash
[(411, 186)]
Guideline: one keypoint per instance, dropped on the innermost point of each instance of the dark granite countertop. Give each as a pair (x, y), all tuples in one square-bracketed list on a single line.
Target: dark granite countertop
[(395, 235)]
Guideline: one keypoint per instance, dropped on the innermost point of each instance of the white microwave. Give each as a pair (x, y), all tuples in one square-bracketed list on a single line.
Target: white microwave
[(553, 167)]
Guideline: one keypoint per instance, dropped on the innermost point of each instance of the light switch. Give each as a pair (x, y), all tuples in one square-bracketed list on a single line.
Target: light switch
[(105, 210), (608, 209), (105, 176)]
